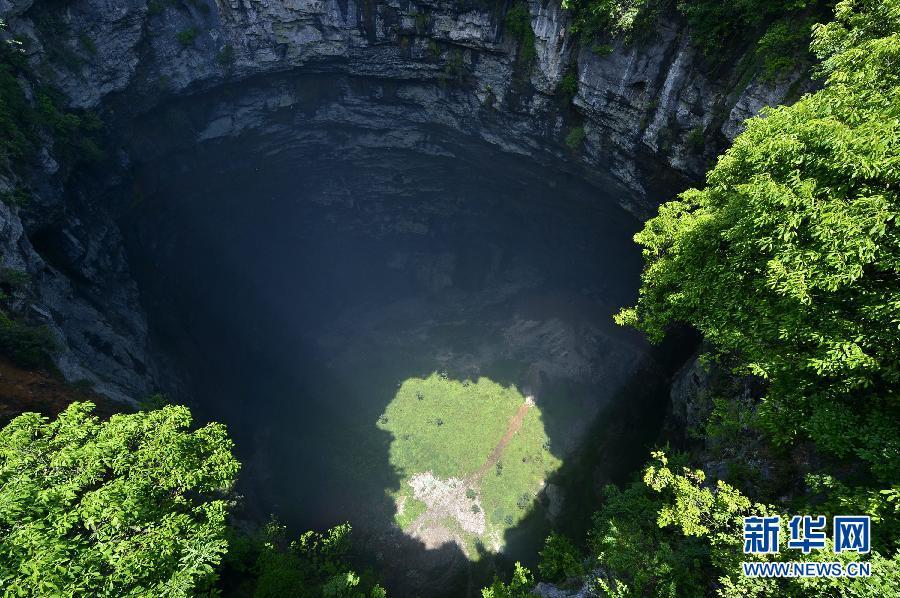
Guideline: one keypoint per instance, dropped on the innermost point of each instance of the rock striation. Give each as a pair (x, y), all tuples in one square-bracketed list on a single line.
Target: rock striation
[(653, 114)]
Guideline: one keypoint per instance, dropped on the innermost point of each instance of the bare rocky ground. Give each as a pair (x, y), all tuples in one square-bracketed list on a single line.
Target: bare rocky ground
[(445, 501), (44, 392)]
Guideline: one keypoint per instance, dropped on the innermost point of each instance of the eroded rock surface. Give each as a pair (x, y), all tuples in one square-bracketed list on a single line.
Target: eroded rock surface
[(642, 107)]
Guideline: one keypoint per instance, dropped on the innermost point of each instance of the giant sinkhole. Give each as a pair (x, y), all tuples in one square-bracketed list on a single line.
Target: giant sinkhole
[(311, 250)]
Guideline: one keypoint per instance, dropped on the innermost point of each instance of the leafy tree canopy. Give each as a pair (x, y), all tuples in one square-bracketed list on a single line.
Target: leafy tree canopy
[(560, 559), (789, 256), (132, 506), (673, 534), (268, 564), (611, 16), (787, 261), (713, 23), (519, 586)]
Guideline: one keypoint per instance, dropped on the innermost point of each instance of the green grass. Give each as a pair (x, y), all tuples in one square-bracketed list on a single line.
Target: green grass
[(474, 417), (412, 508), (525, 465)]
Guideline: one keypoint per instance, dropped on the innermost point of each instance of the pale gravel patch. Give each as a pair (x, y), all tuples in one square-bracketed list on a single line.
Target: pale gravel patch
[(447, 498)]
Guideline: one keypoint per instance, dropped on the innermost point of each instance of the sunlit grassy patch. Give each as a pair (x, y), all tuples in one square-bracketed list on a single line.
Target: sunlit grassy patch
[(451, 428), (525, 464), (446, 426), (412, 508)]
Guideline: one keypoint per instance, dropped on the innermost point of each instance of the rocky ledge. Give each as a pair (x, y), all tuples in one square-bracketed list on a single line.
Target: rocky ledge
[(652, 114)]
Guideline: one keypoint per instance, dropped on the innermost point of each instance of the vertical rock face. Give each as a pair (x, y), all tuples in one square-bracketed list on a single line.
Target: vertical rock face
[(645, 108), (82, 291), (553, 45), (638, 101), (691, 395)]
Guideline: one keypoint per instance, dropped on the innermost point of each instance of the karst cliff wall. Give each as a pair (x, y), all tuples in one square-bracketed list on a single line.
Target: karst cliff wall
[(388, 71)]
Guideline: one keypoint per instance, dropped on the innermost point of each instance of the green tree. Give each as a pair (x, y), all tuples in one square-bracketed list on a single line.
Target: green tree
[(636, 555), (27, 119), (560, 559), (714, 23), (674, 534), (17, 138), (787, 261), (518, 23), (575, 138), (267, 564), (132, 506), (519, 586), (187, 36), (26, 345), (789, 257), (613, 17)]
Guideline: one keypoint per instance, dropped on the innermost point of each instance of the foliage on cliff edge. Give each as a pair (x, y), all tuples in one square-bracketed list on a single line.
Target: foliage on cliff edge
[(788, 261), (789, 257), (132, 506)]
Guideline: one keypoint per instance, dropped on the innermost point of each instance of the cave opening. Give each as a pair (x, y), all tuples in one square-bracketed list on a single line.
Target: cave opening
[(302, 278)]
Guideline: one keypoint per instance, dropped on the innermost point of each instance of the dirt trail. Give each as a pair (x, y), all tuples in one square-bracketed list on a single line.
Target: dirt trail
[(515, 424)]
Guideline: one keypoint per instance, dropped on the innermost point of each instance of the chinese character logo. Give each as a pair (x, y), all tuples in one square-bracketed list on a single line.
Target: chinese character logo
[(761, 534), (851, 533), (806, 533)]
